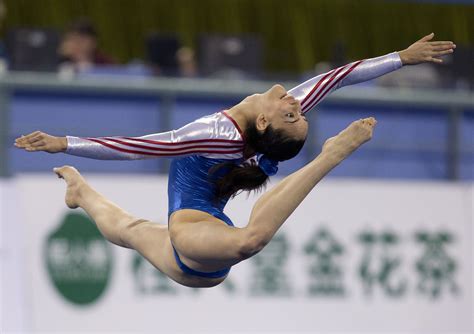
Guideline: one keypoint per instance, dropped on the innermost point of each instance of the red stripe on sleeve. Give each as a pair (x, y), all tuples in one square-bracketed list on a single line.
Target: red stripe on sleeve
[(314, 97), (185, 151), (149, 141), (316, 86), (171, 149), (335, 83)]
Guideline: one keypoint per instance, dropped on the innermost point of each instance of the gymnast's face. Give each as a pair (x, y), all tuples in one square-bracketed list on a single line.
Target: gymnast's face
[(282, 111)]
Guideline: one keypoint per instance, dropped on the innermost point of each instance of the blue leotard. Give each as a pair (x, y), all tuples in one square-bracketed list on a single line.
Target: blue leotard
[(213, 139), (191, 187)]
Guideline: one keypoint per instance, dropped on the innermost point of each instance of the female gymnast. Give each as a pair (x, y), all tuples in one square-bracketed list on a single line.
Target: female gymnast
[(217, 156)]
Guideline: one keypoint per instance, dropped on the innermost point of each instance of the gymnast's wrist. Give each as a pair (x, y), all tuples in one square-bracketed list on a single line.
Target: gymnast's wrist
[(404, 57), (63, 143)]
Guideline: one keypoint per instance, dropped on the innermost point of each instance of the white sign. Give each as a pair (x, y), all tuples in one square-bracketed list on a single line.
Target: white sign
[(13, 301), (356, 256)]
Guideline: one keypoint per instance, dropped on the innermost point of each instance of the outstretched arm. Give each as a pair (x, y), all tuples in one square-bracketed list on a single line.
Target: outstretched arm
[(198, 137), (313, 91)]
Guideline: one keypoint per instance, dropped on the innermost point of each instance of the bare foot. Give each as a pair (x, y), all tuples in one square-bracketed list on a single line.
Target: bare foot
[(351, 138), (74, 181)]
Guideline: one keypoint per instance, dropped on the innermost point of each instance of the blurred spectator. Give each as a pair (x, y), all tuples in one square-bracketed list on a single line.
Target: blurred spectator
[(79, 47), (3, 13), (168, 57), (456, 72), (187, 62), (227, 56), (338, 54), (337, 58), (162, 52), (460, 67), (420, 76)]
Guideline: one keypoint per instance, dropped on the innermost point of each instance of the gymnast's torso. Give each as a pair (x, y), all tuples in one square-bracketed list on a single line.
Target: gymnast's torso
[(195, 149), (191, 186)]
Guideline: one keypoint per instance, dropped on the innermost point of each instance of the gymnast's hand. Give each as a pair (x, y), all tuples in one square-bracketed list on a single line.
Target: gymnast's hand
[(40, 141), (426, 50)]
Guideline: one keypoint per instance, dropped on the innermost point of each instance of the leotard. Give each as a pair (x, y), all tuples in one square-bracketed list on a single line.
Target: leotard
[(213, 139)]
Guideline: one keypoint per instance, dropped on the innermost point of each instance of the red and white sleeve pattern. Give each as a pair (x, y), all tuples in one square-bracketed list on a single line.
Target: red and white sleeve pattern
[(214, 136), (312, 92)]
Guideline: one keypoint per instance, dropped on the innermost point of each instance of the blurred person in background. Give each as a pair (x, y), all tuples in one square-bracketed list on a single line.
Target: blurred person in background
[(3, 14), (424, 76), (79, 47), (187, 63), (338, 58), (168, 57), (218, 156)]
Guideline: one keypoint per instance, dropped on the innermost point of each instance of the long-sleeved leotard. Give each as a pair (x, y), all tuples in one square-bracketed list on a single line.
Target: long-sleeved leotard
[(210, 140), (217, 135)]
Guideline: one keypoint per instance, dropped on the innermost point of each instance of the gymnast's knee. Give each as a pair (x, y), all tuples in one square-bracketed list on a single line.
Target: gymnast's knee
[(252, 244), (128, 231)]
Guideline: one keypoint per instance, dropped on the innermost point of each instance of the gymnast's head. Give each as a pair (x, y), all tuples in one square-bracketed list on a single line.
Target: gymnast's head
[(276, 131), (279, 130)]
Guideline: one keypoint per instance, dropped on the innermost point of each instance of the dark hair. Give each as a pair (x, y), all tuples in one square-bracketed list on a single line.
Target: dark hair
[(274, 144), (82, 26)]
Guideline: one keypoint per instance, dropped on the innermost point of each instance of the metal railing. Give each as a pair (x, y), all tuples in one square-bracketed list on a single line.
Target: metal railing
[(168, 89)]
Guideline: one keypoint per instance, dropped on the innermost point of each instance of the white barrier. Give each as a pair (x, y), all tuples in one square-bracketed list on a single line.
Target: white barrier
[(356, 256), (13, 281)]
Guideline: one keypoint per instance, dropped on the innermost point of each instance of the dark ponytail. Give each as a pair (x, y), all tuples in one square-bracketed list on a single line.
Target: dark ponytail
[(236, 178), (274, 144)]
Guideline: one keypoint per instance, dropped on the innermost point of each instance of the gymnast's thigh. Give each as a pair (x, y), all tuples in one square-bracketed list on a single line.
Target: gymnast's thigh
[(205, 241), (152, 241)]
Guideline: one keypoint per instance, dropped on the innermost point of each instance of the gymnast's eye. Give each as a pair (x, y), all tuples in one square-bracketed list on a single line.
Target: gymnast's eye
[(291, 115)]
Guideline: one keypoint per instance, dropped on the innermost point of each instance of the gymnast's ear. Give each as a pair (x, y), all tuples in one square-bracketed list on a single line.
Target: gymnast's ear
[(261, 123)]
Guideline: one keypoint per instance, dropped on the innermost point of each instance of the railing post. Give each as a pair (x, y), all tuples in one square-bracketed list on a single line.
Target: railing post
[(4, 126), (167, 103), (453, 156), (312, 139)]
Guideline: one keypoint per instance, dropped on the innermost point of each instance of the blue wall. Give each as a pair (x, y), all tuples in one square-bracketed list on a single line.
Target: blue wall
[(408, 143)]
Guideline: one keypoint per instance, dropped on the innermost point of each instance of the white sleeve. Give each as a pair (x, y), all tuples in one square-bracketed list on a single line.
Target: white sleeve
[(211, 135), (312, 92)]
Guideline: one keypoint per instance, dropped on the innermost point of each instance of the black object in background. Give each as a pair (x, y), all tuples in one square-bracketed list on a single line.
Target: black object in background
[(457, 69), (161, 52), (222, 54), (32, 49), (463, 65)]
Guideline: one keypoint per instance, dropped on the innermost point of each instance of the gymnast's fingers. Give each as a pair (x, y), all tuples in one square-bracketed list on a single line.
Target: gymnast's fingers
[(38, 143), (435, 60), (442, 53), (25, 139), (442, 48), (21, 143), (20, 139), (36, 148), (35, 139), (426, 38), (31, 134), (441, 43)]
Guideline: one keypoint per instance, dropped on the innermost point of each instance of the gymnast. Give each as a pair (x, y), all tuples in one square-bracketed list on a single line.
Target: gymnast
[(216, 157)]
